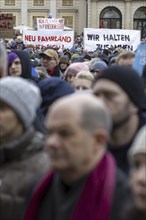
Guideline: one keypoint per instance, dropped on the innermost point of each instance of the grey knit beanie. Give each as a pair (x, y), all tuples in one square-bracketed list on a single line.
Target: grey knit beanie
[(21, 95)]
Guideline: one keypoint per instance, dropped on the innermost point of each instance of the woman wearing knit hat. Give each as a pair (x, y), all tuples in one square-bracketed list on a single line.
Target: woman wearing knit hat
[(63, 64), (72, 71), (136, 210), (22, 157), (137, 158)]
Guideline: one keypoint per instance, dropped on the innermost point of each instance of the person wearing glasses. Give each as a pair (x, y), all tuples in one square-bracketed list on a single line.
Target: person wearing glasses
[(50, 61)]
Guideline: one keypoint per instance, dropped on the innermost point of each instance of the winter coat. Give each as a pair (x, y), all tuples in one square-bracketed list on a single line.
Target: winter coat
[(21, 161)]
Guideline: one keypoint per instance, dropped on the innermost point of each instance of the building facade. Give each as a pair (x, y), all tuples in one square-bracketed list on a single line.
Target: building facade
[(78, 14)]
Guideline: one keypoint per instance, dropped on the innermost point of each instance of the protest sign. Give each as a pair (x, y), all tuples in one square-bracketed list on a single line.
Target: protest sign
[(6, 25), (140, 59), (111, 38), (50, 24), (59, 39)]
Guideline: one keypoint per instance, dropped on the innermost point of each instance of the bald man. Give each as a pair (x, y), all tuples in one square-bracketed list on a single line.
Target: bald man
[(83, 182)]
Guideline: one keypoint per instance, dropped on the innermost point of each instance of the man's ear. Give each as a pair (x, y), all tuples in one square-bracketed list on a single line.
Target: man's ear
[(101, 137), (133, 108)]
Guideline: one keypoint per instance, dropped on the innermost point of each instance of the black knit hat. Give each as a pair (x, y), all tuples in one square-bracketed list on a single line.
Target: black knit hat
[(64, 59), (129, 80)]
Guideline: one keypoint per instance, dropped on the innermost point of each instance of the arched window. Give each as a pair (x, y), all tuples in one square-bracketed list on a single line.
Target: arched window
[(111, 17), (139, 22)]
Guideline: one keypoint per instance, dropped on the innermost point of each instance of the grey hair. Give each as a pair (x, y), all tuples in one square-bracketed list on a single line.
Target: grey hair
[(93, 117)]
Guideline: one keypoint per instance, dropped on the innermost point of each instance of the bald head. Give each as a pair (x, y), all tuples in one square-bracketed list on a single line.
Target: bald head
[(89, 111), (78, 126)]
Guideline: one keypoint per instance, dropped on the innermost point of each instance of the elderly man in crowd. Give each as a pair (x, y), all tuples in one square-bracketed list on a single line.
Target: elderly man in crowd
[(122, 90), (83, 182), (50, 61)]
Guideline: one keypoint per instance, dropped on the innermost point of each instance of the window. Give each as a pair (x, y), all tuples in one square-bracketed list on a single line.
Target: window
[(111, 18), (9, 2), (14, 21), (67, 2), (34, 21), (139, 21), (38, 2), (68, 21)]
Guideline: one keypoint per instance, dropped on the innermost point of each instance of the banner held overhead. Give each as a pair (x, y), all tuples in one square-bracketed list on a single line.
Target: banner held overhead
[(61, 39), (111, 38)]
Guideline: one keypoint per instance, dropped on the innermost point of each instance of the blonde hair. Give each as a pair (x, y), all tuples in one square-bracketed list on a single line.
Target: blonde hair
[(85, 75), (125, 55)]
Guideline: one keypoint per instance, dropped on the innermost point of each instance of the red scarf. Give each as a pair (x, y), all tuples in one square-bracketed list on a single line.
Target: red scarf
[(96, 198), (50, 72)]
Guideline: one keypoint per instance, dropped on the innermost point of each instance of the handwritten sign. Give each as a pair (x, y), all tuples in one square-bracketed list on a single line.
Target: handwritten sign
[(140, 59), (61, 39), (6, 25), (111, 38), (50, 23)]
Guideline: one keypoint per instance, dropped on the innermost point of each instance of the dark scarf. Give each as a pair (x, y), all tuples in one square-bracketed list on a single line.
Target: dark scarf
[(15, 148), (96, 198)]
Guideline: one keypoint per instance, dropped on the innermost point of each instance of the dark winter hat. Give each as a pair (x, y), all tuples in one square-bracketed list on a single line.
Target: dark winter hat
[(129, 80), (104, 57), (22, 96), (52, 89), (14, 45), (78, 60), (87, 56), (64, 59), (100, 65)]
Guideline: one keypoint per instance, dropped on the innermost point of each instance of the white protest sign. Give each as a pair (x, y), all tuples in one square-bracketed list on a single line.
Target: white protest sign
[(111, 38), (50, 24), (61, 39)]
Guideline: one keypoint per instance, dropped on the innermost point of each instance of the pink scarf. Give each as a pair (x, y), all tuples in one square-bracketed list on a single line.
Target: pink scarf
[(96, 199)]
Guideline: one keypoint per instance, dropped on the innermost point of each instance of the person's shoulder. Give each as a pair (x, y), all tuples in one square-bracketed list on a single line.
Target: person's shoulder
[(121, 194), (57, 71), (121, 178)]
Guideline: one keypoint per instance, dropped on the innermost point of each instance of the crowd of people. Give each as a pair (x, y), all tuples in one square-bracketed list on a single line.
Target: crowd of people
[(72, 134)]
